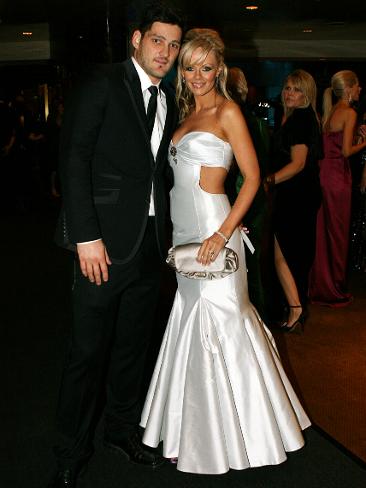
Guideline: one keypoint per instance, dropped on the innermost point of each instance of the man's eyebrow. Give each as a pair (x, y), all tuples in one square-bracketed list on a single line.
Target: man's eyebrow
[(164, 38), (157, 35)]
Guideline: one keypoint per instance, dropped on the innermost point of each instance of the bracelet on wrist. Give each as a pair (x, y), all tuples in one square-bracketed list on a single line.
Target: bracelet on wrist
[(269, 181), (222, 235)]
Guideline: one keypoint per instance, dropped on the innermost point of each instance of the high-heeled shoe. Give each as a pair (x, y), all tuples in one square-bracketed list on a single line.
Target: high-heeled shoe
[(285, 322), (296, 327)]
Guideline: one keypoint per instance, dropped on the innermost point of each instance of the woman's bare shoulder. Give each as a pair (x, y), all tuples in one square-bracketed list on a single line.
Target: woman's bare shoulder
[(342, 116), (229, 112), (228, 107)]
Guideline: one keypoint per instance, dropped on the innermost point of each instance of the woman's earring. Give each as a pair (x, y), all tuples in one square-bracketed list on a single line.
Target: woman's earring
[(183, 80)]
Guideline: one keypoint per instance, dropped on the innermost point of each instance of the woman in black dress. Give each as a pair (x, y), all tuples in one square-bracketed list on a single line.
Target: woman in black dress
[(297, 149)]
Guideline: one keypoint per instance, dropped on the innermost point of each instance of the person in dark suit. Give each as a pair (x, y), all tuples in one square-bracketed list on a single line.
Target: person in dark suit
[(114, 143)]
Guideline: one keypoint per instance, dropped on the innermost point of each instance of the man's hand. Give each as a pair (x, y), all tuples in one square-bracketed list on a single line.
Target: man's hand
[(94, 261)]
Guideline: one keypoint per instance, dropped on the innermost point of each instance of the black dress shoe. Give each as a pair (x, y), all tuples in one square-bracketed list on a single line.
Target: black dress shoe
[(65, 478), (133, 450)]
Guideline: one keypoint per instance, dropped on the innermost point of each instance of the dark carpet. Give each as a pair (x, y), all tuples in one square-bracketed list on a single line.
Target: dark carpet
[(35, 313)]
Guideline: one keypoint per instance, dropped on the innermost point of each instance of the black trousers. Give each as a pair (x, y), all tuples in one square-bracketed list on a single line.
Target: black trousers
[(111, 331)]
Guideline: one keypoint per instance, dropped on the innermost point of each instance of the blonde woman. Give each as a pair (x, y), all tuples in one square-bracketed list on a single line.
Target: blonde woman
[(297, 148), (328, 275), (219, 398)]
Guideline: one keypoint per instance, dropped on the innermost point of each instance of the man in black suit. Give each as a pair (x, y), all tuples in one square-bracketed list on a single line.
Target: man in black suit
[(114, 143)]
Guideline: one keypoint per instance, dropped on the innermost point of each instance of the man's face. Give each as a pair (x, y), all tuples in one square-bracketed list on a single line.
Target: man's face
[(157, 50)]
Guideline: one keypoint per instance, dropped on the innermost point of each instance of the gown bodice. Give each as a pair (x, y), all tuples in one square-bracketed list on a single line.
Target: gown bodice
[(201, 148), (334, 167), (332, 144), (195, 213)]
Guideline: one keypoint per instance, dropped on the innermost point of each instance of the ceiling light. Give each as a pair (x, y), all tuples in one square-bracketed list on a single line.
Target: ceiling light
[(307, 30), (27, 33), (252, 7)]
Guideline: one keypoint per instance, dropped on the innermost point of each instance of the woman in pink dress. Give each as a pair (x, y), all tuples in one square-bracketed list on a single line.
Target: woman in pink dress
[(328, 274)]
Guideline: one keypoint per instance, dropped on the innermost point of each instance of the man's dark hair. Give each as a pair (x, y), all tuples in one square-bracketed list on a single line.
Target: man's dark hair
[(159, 12)]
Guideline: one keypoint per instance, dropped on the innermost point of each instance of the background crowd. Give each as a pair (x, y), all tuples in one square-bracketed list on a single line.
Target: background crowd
[(29, 152)]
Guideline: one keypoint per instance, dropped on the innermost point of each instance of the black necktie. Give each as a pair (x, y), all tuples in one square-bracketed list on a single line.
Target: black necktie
[(151, 108)]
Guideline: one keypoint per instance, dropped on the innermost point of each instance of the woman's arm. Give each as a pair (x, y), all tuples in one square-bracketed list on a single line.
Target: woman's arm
[(348, 149), (299, 153), (237, 133), (235, 130)]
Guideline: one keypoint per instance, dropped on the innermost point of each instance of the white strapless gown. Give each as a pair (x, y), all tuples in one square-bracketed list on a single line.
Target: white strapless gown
[(219, 397)]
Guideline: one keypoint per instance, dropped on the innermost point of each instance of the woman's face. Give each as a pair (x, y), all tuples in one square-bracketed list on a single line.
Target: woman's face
[(293, 97), (355, 91), (201, 72)]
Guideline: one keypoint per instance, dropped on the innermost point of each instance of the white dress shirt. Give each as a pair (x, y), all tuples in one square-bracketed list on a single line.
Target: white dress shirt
[(161, 110)]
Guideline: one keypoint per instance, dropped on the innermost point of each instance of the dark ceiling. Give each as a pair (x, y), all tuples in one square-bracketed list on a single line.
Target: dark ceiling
[(75, 32), (78, 29), (274, 19), (201, 10)]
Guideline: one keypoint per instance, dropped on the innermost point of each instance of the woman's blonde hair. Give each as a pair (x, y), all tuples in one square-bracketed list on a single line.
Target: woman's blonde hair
[(207, 40), (306, 84), (237, 85), (339, 82)]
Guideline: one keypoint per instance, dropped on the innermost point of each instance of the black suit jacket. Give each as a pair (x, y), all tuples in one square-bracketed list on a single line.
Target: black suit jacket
[(106, 165)]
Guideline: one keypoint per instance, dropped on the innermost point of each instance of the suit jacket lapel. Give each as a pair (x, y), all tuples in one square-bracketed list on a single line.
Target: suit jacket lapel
[(133, 85)]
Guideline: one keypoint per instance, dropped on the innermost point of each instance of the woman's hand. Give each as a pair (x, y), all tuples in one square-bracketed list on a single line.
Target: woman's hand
[(244, 229), (362, 131), (210, 249)]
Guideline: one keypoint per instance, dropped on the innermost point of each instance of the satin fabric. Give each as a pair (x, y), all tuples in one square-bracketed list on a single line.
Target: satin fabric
[(219, 397), (328, 274)]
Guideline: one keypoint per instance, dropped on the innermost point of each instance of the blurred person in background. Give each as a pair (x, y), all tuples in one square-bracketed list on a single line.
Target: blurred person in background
[(7, 141), (53, 128), (358, 215), (328, 284), (295, 181), (256, 219)]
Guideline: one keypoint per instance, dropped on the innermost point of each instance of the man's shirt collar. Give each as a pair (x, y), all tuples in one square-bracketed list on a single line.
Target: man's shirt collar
[(144, 78)]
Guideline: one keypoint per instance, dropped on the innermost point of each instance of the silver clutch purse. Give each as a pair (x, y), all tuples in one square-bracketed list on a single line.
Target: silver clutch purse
[(183, 259)]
